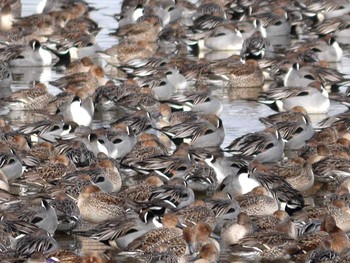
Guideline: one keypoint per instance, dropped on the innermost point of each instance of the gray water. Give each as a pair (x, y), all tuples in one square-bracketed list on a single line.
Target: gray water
[(239, 116)]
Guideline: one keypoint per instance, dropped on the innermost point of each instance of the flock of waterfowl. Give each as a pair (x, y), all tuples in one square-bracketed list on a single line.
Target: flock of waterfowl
[(155, 183)]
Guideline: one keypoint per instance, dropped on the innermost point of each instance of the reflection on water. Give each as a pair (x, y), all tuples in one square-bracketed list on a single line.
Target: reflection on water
[(240, 115), (24, 75)]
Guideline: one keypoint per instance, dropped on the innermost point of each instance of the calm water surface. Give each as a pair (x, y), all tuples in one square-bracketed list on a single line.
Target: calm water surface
[(240, 116)]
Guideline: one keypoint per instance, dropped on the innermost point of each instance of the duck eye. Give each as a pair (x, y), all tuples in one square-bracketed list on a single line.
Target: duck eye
[(116, 141)]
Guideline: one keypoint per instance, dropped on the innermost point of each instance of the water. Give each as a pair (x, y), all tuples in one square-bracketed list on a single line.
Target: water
[(240, 115)]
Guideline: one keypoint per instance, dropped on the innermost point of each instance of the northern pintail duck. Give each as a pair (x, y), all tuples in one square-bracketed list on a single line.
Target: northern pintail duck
[(43, 151), (160, 86), (81, 65), (176, 195), (7, 16), (294, 126), (276, 21), (87, 81), (251, 203), (225, 166), (120, 232), (334, 119), (328, 9), (97, 206), (339, 210), (35, 98), (337, 26), (200, 177), (288, 198), (67, 212), (327, 136), (322, 254), (330, 168), (147, 146), (110, 171), (44, 217), (79, 109), (238, 75), (197, 212), (326, 48), (167, 166), (51, 171), (11, 166), (208, 15), (206, 132), (209, 253), (296, 133), (265, 146), (238, 183), (130, 14), (278, 221), (31, 55), (193, 239), (269, 239), (202, 101), (339, 241), (47, 130), (223, 205), (4, 184), (143, 191), (103, 173), (143, 99), (5, 75), (151, 240), (63, 255), (233, 231), (38, 241), (105, 95), (47, 6), (255, 47), (302, 76), (314, 98), (77, 152), (145, 30), (297, 172), (121, 53), (198, 236), (118, 140), (139, 121), (223, 37), (296, 113)]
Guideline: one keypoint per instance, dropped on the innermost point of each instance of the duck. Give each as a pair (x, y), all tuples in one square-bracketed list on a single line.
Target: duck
[(266, 146), (234, 230), (152, 239), (31, 55), (118, 140), (206, 132), (80, 109), (240, 75), (96, 206), (5, 75), (122, 231), (35, 98), (44, 217), (313, 98), (297, 172), (40, 241), (251, 203), (119, 54)]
